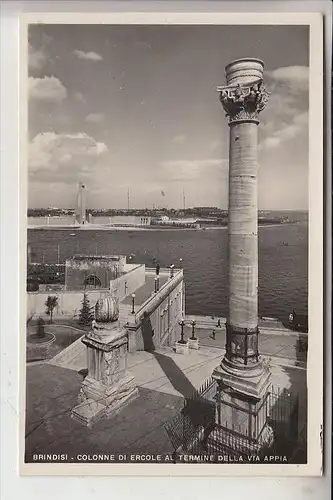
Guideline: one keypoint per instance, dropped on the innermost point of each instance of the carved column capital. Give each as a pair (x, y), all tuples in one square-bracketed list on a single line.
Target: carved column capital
[(243, 102)]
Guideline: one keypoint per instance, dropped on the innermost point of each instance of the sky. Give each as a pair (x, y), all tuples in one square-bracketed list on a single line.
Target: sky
[(135, 107)]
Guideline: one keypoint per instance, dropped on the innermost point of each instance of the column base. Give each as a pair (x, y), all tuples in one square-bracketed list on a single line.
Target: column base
[(98, 400), (242, 409), (252, 380)]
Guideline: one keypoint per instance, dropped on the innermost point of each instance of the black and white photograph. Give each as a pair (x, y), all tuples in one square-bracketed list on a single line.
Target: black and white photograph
[(171, 231)]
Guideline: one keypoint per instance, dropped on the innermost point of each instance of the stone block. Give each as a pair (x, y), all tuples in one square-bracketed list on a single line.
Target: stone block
[(98, 400), (88, 412), (182, 348), (193, 343)]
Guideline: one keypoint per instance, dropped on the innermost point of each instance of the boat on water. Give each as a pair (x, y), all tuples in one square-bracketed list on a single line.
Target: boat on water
[(72, 234)]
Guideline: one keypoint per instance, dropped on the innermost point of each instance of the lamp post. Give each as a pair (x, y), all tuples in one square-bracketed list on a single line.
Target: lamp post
[(181, 263), (133, 302), (155, 285), (182, 324), (171, 270), (193, 323)]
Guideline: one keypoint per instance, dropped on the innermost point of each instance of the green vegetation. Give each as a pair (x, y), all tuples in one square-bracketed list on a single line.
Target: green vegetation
[(51, 303), (85, 315)]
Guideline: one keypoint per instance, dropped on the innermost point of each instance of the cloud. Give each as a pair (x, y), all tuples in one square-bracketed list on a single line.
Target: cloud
[(286, 116), (94, 118), (297, 126), (189, 170), (36, 58), (294, 76), (63, 157), (48, 88), (88, 56), (38, 53)]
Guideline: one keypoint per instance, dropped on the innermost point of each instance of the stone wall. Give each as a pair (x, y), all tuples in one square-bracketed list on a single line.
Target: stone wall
[(157, 322), (69, 303), (126, 284)]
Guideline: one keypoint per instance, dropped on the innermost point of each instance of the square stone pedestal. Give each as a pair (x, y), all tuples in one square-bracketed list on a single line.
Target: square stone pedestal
[(182, 348), (193, 343), (108, 386), (242, 409)]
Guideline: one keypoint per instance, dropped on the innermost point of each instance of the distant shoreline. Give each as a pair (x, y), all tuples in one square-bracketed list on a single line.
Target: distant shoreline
[(96, 227)]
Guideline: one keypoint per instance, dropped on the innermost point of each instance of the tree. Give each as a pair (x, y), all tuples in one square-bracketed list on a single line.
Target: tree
[(40, 328), (51, 303), (85, 314)]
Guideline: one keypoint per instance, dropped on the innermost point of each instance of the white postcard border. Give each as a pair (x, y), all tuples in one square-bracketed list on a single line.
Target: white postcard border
[(316, 244)]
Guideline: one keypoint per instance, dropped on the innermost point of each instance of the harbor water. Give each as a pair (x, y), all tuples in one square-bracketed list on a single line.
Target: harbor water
[(283, 261)]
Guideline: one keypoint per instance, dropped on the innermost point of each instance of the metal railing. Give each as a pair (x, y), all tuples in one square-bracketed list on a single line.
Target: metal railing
[(194, 430)]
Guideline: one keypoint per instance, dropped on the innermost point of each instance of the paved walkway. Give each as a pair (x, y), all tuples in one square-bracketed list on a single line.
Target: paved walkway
[(164, 378), (276, 345)]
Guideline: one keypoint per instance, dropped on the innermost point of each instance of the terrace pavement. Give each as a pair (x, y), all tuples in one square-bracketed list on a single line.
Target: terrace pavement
[(164, 378)]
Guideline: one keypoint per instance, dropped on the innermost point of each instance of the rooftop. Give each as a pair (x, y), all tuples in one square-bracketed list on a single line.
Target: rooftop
[(164, 379)]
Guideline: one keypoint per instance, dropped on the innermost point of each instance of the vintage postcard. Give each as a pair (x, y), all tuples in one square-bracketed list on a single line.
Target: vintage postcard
[(172, 244)]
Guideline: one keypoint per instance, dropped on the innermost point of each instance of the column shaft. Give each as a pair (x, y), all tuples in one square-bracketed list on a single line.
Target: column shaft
[(243, 227)]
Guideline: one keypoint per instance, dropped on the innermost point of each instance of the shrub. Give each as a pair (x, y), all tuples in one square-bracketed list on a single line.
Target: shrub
[(40, 328), (85, 314)]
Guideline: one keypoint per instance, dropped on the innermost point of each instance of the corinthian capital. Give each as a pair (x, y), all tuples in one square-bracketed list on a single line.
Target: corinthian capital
[(244, 102)]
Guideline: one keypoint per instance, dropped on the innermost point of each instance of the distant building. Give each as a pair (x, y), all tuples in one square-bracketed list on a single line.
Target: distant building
[(92, 271), (179, 222), (123, 220), (161, 219)]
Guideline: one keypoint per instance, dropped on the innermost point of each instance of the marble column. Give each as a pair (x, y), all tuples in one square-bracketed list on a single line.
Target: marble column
[(243, 379)]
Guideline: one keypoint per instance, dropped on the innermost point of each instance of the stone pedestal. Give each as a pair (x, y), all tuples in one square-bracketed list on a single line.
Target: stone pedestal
[(193, 343), (108, 386), (243, 380), (242, 410), (182, 348)]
